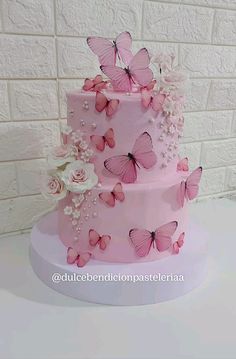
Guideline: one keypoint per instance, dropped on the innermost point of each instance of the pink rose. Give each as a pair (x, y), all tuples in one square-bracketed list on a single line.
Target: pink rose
[(78, 176), (53, 187)]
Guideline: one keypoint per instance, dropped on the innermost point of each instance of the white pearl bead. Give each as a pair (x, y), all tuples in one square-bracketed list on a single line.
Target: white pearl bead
[(99, 185), (94, 214), (151, 120), (74, 222), (94, 126)]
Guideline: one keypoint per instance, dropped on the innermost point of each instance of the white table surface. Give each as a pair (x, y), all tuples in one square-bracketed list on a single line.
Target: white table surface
[(38, 323)]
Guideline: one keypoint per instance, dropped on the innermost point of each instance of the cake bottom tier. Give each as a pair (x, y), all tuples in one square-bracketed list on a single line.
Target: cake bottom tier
[(119, 284), (146, 206)]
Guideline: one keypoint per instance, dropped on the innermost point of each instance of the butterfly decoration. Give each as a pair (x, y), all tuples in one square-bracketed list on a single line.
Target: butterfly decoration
[(116, 194), (137, 71), (96, 84), (102, 103), (96, 239), (125, 166), (183, 165), (143, 239), (106, 140), (108, 51), (73, 256), (149, 86), (179, 243), (189, 188), (155, 101)]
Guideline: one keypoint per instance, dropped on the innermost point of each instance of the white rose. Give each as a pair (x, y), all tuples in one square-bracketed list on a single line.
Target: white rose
[(62, 154), (79, 176), (173, 79), (164, 61), (53, 187)]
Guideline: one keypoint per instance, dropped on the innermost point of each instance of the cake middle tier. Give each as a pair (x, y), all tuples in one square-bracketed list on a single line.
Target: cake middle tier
[(129, 121), (145, 206)]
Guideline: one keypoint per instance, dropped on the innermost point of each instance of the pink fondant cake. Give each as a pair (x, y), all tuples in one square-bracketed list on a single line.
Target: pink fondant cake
[(122, 189)]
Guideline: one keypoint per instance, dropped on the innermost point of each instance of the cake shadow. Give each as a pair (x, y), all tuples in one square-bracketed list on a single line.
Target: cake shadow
[(20, 279)]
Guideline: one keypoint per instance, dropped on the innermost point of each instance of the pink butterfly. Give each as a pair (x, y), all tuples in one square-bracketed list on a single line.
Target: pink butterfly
[(179, 243), (96, 84), (95, 238), (110, 197), (102, 103), (136, 72), (189, 189), (107, 51), (73, 256), (143, 239), (149, 86), (125, 166), (100, 141), (155, 101), (183, 165)]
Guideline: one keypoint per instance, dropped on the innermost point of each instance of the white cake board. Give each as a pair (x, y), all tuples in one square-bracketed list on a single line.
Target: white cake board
[(48, 256)]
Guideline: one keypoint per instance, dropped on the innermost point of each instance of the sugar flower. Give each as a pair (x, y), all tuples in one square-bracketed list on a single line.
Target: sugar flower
[(53, 187), (61, 155), (79, 176)]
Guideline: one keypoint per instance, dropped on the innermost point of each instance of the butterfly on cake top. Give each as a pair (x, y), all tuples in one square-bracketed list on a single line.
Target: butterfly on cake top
[(72, 167)]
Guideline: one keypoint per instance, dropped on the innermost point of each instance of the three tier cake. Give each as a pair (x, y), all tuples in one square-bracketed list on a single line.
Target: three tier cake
[(121, 186)]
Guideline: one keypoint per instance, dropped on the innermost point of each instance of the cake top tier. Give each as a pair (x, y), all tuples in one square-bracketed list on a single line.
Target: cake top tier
[(125, 127)]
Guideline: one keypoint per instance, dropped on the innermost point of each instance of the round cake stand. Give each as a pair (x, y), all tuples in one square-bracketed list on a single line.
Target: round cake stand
[(123, 283)]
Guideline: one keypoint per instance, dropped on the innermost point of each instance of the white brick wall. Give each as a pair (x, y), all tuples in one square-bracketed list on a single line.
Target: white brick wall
[(43, 54)]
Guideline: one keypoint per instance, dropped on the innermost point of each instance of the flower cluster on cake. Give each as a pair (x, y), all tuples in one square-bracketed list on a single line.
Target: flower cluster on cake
[(121, 187)]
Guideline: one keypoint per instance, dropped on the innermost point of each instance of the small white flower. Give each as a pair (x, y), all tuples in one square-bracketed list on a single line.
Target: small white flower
[(83, 145), (77, 136), (77, 200), (79, 177), (66, 129), (171, 129), (74, 222), (168, 105), (76, 214), (68, 210), (164, 61)]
